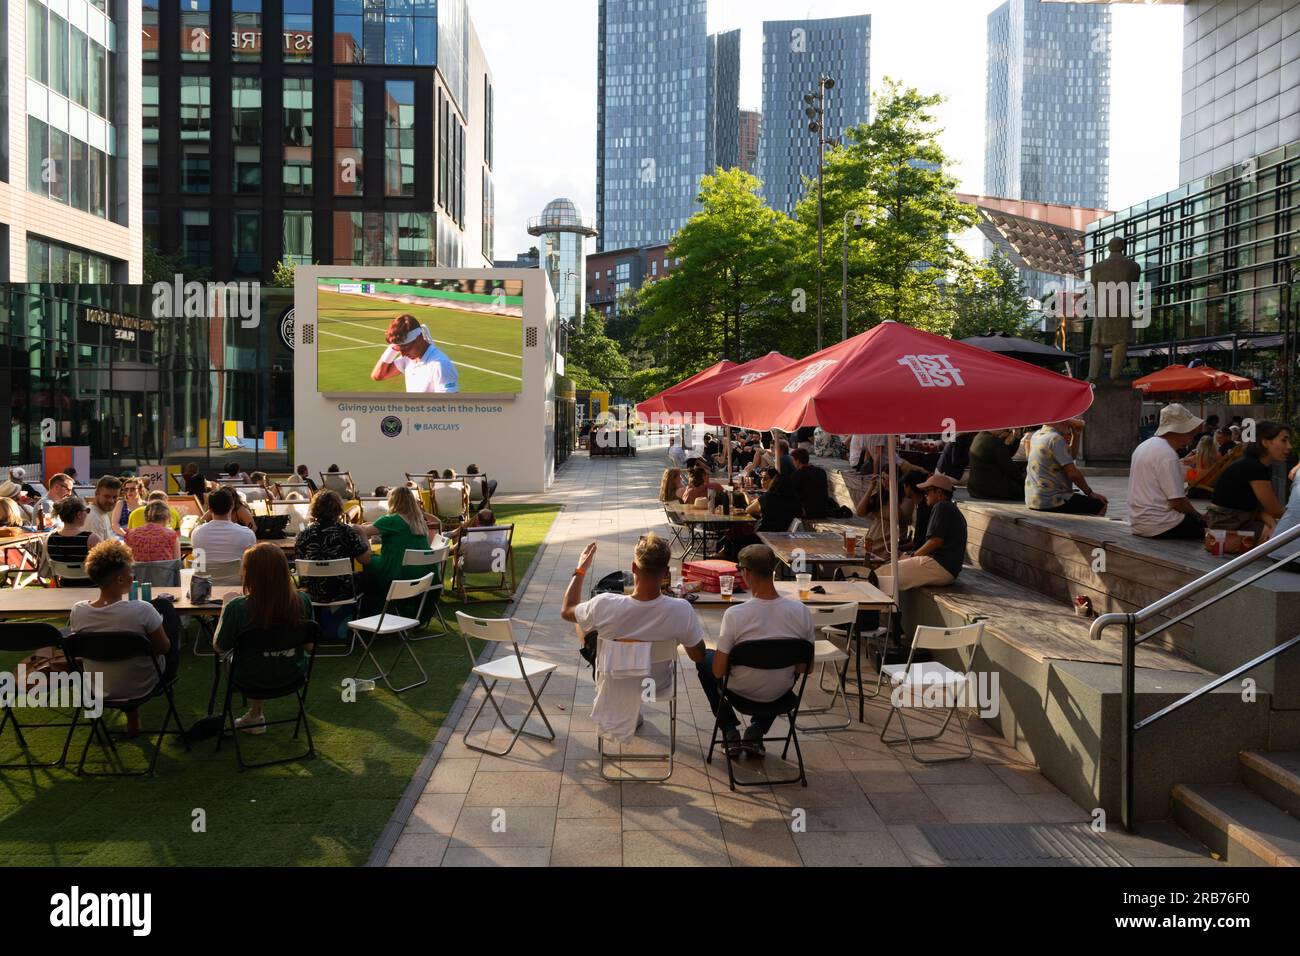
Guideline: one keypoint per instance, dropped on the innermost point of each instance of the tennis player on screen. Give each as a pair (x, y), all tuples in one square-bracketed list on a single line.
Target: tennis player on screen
[(411, 352)]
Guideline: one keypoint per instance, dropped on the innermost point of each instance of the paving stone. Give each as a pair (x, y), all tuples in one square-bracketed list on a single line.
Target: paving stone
[(514, 788), (415, 848), (588, 842), (497, 856), (452, 775), (590, 801), (979, 803), (504, 826), (674, 848), (435, 813), (876, 848)]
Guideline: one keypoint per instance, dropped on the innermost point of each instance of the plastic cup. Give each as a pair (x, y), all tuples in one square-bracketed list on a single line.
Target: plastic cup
[(805, 586), (187, 575), (726, 584), (851, 544), (1220, 540)]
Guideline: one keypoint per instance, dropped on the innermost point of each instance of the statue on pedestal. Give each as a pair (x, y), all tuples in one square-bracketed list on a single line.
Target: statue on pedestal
[(1113, 288)]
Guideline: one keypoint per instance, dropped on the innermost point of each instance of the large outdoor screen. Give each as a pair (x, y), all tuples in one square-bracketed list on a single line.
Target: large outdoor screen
[(420, 336)]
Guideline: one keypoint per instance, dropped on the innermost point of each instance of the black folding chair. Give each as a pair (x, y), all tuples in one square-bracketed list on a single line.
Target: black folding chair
[(767, 656), (250, 646), (24, 638), (108, 648)]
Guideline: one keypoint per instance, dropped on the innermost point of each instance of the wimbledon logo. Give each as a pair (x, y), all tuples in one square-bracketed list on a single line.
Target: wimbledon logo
[(391, 426)]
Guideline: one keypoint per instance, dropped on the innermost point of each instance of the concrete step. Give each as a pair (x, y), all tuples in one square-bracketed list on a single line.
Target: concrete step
[(1275, 776), (1239, 825)]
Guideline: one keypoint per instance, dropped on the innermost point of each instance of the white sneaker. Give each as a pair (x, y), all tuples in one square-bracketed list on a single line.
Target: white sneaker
[(250, 724)]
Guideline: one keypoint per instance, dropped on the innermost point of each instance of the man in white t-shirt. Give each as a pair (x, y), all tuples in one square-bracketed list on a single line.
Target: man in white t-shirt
[(645, 615), (1158, 506), (222, 540), (676, 453), (100, 520), (766, 616)]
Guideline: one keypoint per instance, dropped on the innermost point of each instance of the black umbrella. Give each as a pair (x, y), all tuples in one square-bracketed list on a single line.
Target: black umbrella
[(1035, 353)]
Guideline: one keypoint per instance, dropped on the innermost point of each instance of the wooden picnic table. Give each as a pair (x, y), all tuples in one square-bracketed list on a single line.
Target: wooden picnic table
[(868, 596), (817, 547), (701, 524), (57, 602)]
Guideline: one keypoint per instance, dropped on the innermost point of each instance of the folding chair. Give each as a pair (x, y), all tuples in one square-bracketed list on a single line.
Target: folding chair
[(333, 568), (450, 501), (837, 621), (160, 574), (224, 574), (912, 680), (63, 569), (340, 481), (661, 652), (767, 655), (298, 512), (24, 638), (677, 526), (507, 668), (486, 549), (435, 557), (107, 648), (372, 508), (242, 676), (386, 623)]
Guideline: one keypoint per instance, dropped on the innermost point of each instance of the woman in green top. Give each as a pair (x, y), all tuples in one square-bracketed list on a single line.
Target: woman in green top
[(405, 528), (269, 602)]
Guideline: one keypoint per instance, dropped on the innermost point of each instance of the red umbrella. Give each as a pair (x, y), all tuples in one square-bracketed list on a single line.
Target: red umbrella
[(896, 380), (654, 405), (1180, 378), (701, 397)]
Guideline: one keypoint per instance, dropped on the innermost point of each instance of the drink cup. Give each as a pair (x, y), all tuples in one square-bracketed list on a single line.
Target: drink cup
[(805, 586), (726, 584), (1220, 541), (851, 544), (187, 575)]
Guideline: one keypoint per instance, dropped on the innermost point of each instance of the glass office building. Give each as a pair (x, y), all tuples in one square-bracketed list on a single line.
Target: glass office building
[(796, 53), (1217, 252), (1047, 136), (723, 121), (98, 367), (652, 118), (563, 233), (238, 175)]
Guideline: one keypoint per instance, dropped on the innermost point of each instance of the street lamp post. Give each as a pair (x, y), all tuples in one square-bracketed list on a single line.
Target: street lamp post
[(844, 285), (816, 113)]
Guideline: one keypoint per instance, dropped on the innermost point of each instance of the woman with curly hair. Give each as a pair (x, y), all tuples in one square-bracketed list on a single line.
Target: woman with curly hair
[(411, 352)]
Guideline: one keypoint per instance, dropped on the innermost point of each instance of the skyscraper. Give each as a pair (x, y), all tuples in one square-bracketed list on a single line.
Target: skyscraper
[(237, 173), (751, 129), (667, 97), (69, 142), (795, 54), (1047, 135)]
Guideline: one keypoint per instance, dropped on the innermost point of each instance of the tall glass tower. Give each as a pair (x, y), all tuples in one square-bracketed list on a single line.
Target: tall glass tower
[(563, 232), (655, 116), (1047, 136), (722, 131), (795, 54)]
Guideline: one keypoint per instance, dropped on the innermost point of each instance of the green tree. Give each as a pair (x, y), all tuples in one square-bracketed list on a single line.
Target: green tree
[(892, 173), (989, 297), (282, 277), (729, 296), (159, 266), (594, 359)]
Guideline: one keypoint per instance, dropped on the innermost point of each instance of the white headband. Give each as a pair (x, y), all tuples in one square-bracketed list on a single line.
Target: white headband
[(421, 332)]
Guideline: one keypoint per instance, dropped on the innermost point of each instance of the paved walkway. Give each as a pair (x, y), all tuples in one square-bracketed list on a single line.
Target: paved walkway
[(546, 804)]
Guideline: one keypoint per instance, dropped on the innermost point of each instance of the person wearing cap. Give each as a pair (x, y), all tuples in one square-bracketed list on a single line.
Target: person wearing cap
[(939, 559), (1052, 475), (1158, 506)]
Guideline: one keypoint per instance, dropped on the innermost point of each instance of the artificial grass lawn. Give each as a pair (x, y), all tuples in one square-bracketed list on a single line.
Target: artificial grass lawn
[(487, 349), (328, 810)]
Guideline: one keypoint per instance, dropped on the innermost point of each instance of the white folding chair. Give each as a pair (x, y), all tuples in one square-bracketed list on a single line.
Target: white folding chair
[(451, 501), (332, 568), (64, 569), (369, 629), (912, 681), (833, 622), (340, 481), (435, 557), (298, 512), (508, 668), (224, 574), (661, 652), (485, 549), (372, 508)]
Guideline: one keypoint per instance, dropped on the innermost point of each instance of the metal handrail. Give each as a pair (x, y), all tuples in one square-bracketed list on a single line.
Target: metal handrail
[(1128, 660)]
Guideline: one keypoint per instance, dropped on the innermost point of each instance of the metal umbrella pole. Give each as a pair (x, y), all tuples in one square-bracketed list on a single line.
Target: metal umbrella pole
[(893, 520)]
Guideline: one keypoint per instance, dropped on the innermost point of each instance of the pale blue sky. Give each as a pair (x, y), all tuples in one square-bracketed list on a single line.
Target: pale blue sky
[(543, 58)]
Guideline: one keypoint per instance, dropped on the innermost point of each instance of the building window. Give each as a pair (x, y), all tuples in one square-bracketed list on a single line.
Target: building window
[(246, 132), (79, 166), (348, 47), (149, 30), (246, 30), (196, 237), (296, 241), (38, 154), (297, 135), (149, 133), (49, 261), (408, 239), (37, 41), (349, 123), (489, 216), (425, 27), (196, 30), (399, 151), (98, 185), (399, 39), (488, 107), (58, 169), (297, 40), (247, 248), (78, 58), (58, 28), (196, 134), (99, 82)]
